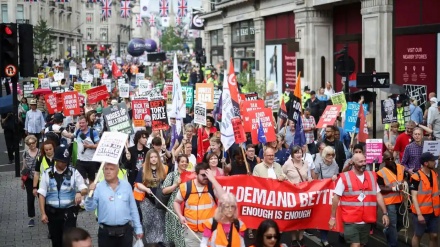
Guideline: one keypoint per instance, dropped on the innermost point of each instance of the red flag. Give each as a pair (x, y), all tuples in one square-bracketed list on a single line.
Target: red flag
[(233, 89), (363, 129), (186, 176), (282, 113), (115, 70)]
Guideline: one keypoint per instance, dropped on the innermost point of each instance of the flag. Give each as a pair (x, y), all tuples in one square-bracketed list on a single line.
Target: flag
[(197, 23), (93, 1), (282, 114), (182, 8), (125, 9), (300, 136), (61, 1), (152, 21), (294, 107), (227, 111), (363, 128), (260, 133), (174, 136), (217, 112), (178, 20), (233, 89), (31, 1), (165, 21), (144, 8), (178, 109), (106, 11), (139, 21), (116, 72), (163, 8)]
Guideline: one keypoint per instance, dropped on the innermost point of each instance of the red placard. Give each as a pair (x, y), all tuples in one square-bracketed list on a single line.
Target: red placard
[(239, 134), (265, 115), (71, 104), (251, 96), (167, 87), (306, 205), (96, 94), (159, 119), (141, 108), (51, 103), (246, 107), (329, 116)]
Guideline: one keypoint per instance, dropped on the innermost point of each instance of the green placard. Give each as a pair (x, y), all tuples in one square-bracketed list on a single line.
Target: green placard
[(189, 95)]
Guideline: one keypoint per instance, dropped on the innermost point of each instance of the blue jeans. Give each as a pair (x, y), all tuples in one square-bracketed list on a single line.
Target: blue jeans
[(396, 224), (324, 235)]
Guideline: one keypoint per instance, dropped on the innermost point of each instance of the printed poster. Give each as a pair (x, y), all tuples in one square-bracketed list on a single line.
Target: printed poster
[(124, 90), (110, 147), (274, 68), (117, 118), (71, 104), (389, 111), (159, 117), (28, 88), (329, 116), (266, 117), (141, 112), (200, 113), (373, 151), (205, 94), (189, 96)]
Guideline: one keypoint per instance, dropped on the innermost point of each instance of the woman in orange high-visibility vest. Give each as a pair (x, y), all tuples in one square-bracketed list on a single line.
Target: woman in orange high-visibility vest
[(224, 229)]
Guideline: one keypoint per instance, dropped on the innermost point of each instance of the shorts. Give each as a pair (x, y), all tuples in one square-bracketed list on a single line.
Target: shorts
[(357, 233), (88, 169), (431, 225)]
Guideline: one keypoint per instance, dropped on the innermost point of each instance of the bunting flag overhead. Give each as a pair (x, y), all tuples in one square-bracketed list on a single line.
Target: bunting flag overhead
[(144, 8), (125, 9), (106, 8), (61, 1), (152, 21), (139, 20), (31, 1), (182, 8), (93, 1), (163, 8)]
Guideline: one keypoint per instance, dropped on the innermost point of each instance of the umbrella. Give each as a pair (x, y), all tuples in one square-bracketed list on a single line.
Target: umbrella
[(6, 104), (394, 89), (42, 91)]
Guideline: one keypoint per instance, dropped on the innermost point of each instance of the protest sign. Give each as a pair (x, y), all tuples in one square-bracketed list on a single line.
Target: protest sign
[(266, 117), (45, 83), (205, 94), (71, 104), (51, 103), (96, 73), (158, 115), (292, 206), (189, 95), (72, 70), (339, 99), (272, 100), (239, 134), (124, 90), (141, 109), (85, 86), (89, 78), (58, 76), (245, 108), (50, 74), (35, 81), (40, 76), (101, 60), (28, 88), (77, 86), (144, 86), (117, 118), (96, 94), (217, 94), (200, 113), (373, 151), (108, 84), (251, 96), (139, 78), (58, 89), (329, 116), (118, 60), (432, 147), (351, 116), (84, 74), (54, 84), (110, 147), (389, 111), (167, 87), (121, 81)]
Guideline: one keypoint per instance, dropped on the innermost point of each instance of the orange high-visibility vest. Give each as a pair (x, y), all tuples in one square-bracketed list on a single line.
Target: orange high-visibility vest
[(353, 210), (198, 207), (391, 179), (219, 238), (428, 197)]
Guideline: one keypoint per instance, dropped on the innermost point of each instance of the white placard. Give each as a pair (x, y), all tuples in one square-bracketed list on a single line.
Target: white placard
[(84, 74), (89, 78), (58, 76), (73, 70), (432, 147), (110, 147), (144, 86), (121, 80), (200, 113), (101, 61), (118, 60), (124, 89), (83, 65), (139, 76), (54, 84), (108, 84), (45, 83), (96, 73)]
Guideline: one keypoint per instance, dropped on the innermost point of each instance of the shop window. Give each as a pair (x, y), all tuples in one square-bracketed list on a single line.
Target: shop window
[(236, 33), (20, 12), (250, 52), (214, 38), (239, 52), (5, 13)]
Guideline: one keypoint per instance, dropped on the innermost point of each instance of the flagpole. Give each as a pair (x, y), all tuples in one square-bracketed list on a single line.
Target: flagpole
[(245, 161)]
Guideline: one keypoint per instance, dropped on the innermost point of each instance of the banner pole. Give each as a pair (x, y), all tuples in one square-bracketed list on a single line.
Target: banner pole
[(245, 161), (97, 177), (351, 141)]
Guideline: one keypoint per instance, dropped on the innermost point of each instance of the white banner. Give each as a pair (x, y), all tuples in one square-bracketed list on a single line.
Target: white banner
[(124, 89), (200, 113), (110, 147)]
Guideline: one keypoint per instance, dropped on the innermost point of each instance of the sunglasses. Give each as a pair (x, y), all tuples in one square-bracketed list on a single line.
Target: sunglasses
[(31, 143), (269, 237)]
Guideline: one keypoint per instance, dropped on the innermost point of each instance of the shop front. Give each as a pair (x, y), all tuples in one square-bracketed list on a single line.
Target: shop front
[(243, 46)]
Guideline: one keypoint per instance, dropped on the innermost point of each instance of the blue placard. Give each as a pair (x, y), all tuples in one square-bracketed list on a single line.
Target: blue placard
[(351, 116)]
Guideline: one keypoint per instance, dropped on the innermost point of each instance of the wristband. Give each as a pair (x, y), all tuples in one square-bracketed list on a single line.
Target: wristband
[(333, 218), (385, 213), (35, 188)]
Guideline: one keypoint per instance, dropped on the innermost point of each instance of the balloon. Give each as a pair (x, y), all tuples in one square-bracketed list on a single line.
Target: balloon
[(150, 45), (136, 47)]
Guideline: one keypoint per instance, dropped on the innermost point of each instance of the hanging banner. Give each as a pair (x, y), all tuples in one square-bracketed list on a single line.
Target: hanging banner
[(373, 151), (159, 115), (246, 107), (141, 112), (71, 104), (124, 90), (200, 113), (205, 94), (110, 147), (329, 116), (266, 117), (189, 96), (97, 94), (28, 88), (51, 103), (117, 118), (389, 111), (306, 205)]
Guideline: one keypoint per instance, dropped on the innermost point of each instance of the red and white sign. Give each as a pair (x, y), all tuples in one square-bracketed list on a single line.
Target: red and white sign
[(373, 151), (246, 107), (329, 116), (141, 108), (96, 94), (71, 104), (51, 103), (265, 115)]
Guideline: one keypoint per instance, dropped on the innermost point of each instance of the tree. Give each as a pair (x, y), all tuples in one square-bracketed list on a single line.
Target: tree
[(170, 41), (43, 42)]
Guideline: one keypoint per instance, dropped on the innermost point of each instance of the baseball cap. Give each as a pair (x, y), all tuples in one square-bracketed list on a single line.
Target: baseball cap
[(306, 88), (433, 99), (427, 156), (62, 154)]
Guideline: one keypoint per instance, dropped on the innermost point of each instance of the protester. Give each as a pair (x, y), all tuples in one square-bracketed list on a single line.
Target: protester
[(23, 108), (269, 168), (318, 156), (309, 127), (349, 163), (27, 175), (204, 133), (60, 191), (216, 147), (76, 237), (268, 234), (402, 140), (289, 132), (213, 162), (416, 113), (56, 132), (435, 124), (238, 165), (108, 196), (158, 144), (426, 201), (187, 137), (251, 158), (35, 121), (329, 91), (87, 140), (8, 125), (224, 229), (281, 152), (330, 140), (390, 136), (411, 155), (137, 156), (44, 162)]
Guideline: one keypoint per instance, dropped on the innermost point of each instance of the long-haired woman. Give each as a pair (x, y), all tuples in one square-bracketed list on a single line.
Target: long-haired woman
[(268, 234), (27, 171)]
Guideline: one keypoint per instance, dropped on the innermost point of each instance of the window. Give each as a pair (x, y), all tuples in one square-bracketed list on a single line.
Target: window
[(89, 18), (20, 12), (103, 33), (89, 33), (243, 32), (217, 37), (214, 38), (239, 52), (235, 33), (5, 13)]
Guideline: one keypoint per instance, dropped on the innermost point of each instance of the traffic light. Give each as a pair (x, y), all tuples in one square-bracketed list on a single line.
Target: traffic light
[(9, 50), (26, 48)]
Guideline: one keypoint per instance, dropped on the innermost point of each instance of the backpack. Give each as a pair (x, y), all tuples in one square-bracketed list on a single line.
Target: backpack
[(56, 137), (189, 188), (236, 224), (91, 130)]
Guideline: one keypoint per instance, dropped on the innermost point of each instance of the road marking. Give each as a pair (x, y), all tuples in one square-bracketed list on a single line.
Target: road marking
[(6, 165)]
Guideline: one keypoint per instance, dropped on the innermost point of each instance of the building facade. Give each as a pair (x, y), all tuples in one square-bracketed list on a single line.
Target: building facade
[(276, 39)]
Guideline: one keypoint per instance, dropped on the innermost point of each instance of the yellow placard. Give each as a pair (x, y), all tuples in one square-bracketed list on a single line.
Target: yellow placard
[(339, 99)]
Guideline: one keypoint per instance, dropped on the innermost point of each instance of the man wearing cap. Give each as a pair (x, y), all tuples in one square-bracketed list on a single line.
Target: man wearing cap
[(35, 123), (306, 95), (425, 201), (110, 196), (61, 189)]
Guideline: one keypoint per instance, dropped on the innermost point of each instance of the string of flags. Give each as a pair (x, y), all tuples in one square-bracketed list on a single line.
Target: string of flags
[(125, 9), (163, 8), (106, 9)]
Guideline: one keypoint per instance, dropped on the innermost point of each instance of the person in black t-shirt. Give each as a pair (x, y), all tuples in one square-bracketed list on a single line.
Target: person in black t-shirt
[(137, 155)]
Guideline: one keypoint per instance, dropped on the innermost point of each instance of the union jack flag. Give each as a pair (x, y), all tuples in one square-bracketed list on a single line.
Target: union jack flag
[(62, 1), (178, 20), (93, 1), (31, 1), (182, 8), (152, 21), (139, 21), (106, 8), (125, 9), (163, 8)]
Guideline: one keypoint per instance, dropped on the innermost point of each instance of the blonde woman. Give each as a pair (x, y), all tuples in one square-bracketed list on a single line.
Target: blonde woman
[(27, 171), (224, 229)]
